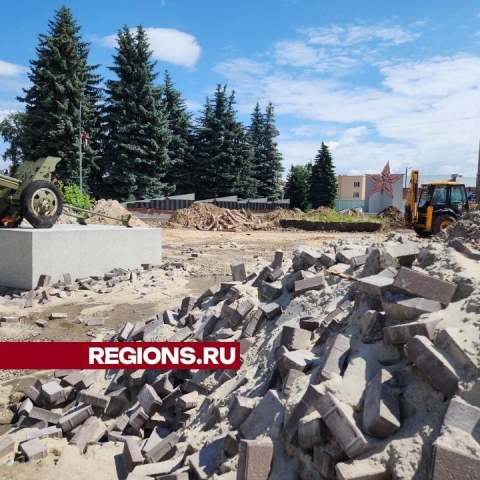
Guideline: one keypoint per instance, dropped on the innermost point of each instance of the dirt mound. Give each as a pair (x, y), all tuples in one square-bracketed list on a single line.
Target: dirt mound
[(322, 211), (280, 213), (114, 209), (106, 207), (395, 217), (198, 213), (467, 229)]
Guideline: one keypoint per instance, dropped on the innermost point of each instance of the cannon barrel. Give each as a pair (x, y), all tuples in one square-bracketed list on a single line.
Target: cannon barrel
[(9, 182)]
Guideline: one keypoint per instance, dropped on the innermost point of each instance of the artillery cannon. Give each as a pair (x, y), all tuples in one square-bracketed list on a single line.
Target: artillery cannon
[(31, 195)]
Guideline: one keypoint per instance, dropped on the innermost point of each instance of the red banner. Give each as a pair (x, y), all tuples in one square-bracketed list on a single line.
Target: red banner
[(120, 355)]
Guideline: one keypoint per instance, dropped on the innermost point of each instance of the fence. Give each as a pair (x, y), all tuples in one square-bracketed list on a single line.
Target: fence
[(173, 203)]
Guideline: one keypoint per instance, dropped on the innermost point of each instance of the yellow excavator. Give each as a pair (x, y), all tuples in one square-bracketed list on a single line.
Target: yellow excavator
[(435, 206)]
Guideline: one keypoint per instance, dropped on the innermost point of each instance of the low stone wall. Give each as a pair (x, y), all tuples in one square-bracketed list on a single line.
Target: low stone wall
[(331, 226)]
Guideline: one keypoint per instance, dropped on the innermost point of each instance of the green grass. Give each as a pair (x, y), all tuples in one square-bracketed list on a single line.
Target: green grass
[(338, 217)]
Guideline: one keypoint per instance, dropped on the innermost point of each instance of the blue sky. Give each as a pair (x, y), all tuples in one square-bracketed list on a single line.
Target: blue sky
[(377, 81)]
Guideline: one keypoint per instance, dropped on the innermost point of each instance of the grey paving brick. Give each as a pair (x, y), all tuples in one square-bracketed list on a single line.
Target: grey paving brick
[(306, 405), (74, 418), (340, 422), (403, 333), (335, 358), (450, 463), (374, 285), (420, 284), (362, 470), (450, 340), (436, 369), (149, 400), (278, 258), (295, 338), (132, 454), (255, 459), (34, 449), (269, 291), (138, 418), (311, 283), (400, 307), (263, 417), (165, 447), (381, 413), (94, 399), (239, 410), (238, 271), (462, 415), (241, 312), (7, 446), (311, 430), (206, 461), (290, 378)]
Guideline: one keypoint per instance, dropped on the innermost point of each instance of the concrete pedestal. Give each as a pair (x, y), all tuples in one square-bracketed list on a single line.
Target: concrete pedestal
[(81, 250)]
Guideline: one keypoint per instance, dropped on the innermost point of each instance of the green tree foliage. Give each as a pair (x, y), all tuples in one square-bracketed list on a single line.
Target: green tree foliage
[(72, 195), (136, 148), (61, 78), (11, 130), (180, 149), (223, 154), (267, 161), (323, 189), (297, 188)]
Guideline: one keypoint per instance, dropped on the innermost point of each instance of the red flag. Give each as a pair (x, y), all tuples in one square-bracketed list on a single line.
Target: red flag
[(85, 139)]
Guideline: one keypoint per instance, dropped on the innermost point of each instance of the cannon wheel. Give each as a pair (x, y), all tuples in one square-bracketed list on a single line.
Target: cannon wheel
[(41, 204)]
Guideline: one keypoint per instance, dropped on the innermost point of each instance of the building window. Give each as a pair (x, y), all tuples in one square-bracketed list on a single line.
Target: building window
[(356, 184), (356, 194)]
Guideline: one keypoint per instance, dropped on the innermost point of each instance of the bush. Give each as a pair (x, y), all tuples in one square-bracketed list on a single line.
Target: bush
[(72, 196)]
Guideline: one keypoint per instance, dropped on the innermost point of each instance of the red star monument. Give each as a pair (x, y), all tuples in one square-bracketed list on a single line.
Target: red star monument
[(384, 181)]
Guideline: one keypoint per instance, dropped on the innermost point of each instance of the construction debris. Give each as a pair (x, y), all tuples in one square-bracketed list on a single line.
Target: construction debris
[(234, 221), (358, 362)]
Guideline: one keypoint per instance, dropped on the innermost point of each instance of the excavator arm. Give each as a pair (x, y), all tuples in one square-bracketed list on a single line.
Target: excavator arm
[(411, 206)]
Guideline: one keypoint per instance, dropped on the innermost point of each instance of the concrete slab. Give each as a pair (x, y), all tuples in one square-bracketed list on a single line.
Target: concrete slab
[(81, 250)]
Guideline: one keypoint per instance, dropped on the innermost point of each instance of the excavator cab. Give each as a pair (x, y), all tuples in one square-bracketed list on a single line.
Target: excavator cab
[(435, 206)]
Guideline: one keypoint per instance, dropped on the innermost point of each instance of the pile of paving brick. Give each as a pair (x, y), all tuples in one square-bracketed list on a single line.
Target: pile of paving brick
[(102, 284), (356, 364), (465, 230)]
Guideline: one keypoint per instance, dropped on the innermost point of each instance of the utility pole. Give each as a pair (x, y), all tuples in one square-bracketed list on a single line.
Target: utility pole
[(477, 189), (406, 174), (80, 147)]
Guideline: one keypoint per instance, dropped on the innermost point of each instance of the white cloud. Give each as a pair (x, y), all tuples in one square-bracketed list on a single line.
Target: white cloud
[(299, 54), (8, 69), (413, 117), (168, 45), (435, 77), (344, 36)]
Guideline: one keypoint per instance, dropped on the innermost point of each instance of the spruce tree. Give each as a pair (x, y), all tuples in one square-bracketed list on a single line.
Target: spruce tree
[(323, 189), (223, 154), (267, 161), (297, 188), (181, 174), (273, 158), (256, 132), (61, 78), (136, 148), (241, 151)]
